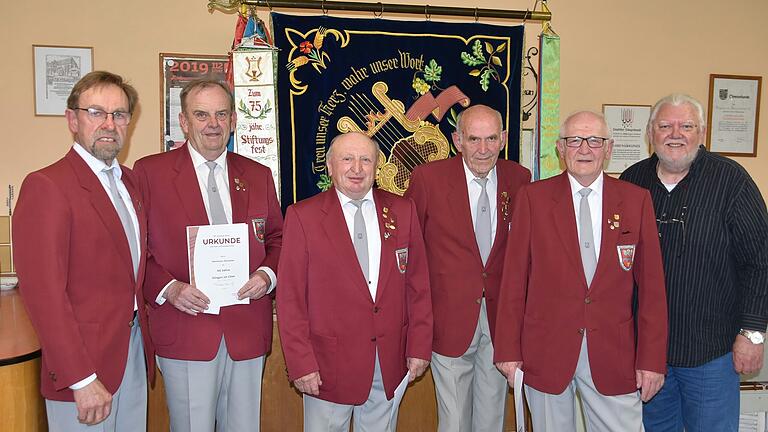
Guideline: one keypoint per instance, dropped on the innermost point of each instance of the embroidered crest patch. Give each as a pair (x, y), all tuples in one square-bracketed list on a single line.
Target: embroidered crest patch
[(402, 259), (626, 256), (259, 228)]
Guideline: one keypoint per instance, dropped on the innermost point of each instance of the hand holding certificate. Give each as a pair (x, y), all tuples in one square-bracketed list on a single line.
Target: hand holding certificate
[(218, 262)]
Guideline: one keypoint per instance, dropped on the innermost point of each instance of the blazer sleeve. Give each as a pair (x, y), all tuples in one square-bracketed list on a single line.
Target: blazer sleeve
[(274, 236), (514, 283), (418, 294), (292, 308), (41, 252), (417, 191), (156, 277), (652, 316)]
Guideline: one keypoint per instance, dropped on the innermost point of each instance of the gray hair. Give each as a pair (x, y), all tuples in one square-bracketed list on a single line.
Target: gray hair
[(329, 152), (675, 99), (598, 116), (460, 117)]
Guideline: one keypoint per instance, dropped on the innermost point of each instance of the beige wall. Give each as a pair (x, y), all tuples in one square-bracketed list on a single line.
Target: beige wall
[(613, 51)]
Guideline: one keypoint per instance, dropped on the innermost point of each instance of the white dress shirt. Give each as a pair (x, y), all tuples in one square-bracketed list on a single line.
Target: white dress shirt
[(371, 229), (221, 175), (595, 200), (474, 190), (98, 167)]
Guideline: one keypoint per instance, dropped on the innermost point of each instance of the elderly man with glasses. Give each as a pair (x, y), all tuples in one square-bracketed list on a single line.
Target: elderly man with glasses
[(713, 230), (581, 245)]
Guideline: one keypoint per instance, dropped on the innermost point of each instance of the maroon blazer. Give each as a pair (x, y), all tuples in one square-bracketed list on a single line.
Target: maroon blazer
[(545, 305), (327, 319), (76, 275), (174, 201), (456, 270)]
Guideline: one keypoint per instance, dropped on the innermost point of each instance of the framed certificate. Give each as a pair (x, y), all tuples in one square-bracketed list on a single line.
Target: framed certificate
[(733, 114), (627, 125), (56, 70), (176, 70)]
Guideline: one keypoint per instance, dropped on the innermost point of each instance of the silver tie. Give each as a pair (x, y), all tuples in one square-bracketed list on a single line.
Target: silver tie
[(483, 221), (216, 207), (587, 243), (125, 219), (360, 237)]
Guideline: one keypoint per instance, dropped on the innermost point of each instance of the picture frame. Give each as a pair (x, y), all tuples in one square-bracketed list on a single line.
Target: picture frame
[(733, 114), (627, 124), (56, 69), (176, 70)]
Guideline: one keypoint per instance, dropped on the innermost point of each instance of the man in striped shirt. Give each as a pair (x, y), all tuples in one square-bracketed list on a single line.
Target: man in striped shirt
[(713, 230)]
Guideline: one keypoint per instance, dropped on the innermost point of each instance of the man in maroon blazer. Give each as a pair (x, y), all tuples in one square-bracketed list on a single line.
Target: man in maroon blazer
[(80, 234), (466, 236), (353, 306), (566, 313), (212, 364)]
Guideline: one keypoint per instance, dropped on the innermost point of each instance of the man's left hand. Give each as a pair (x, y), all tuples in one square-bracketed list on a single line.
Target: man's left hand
[(747, 357), (649, 383), (416, 367), (256, 286)]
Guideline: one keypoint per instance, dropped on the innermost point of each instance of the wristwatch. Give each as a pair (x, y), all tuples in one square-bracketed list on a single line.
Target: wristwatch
[(753, 336)]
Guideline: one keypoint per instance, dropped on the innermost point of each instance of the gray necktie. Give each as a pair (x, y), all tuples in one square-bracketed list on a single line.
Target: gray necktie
[(216, 207), (125, 219), (483, 221), (360, 237), (587, 243)]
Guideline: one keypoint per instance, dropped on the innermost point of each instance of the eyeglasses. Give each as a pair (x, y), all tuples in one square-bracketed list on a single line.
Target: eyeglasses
[(667, 221), (686, 127), (120, 118), (592, 141), (219, 115)]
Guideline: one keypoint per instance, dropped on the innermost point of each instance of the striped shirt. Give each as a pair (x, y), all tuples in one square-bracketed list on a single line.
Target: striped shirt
[(713, 230)]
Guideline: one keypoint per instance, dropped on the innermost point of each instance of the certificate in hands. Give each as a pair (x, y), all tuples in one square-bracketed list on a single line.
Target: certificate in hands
[(218, 262)]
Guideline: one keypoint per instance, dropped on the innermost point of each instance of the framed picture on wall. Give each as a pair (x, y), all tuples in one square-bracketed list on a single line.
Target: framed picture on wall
[(733, 114), (56, 70), (176, 70), (627, 126)]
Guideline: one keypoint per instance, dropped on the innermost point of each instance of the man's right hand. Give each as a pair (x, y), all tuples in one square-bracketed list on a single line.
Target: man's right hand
[(93, 403), (186, 298), (508, 370), (309, 384)]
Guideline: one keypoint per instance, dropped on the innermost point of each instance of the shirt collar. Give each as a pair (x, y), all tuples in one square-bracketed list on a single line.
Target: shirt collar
[(198, 160), (596, 186), (96, 165), (470, 176), (344, 200)]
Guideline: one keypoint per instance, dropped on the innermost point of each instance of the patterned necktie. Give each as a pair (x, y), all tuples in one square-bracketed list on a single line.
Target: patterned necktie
[(125, 219), (587, 243), (483, 221), (360, 237), (214, 197)]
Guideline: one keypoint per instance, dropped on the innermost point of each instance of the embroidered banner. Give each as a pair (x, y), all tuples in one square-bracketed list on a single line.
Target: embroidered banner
[(549, 105), (400, 82)]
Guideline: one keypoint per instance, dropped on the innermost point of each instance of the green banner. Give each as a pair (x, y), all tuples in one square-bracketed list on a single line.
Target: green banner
[(549, 105)]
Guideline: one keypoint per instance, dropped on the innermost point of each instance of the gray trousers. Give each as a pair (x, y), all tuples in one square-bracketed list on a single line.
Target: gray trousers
[(372, 416), (221, 394), (557, 413), (471, 392), (129, 403)]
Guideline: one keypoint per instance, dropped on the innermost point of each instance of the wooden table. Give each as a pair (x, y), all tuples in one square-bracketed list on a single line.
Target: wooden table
[(22, 409)]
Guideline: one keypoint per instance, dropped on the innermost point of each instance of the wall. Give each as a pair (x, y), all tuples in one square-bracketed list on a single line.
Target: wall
[(613, 51)]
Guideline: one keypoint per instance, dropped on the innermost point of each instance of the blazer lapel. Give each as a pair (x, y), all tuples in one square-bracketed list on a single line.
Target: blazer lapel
[(503, 208), (237, 190), (139, 208), (386, 261), (564, 220), (612, 205), (457, 201), (103, 206), (335, 227), (187, 188)]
